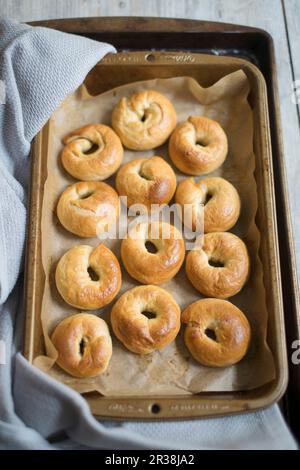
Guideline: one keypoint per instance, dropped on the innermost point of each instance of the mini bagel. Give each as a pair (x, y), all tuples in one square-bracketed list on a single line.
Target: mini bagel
[(144, 120), (221, 203), (83, 344), (88, 278), (146, 181), (198, 146), (92, 153), (160, 265), (88, 208), (131, 325), (220, 268), (217, 332)]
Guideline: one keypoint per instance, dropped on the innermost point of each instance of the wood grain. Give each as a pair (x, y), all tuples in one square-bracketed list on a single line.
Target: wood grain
[(281, 18)]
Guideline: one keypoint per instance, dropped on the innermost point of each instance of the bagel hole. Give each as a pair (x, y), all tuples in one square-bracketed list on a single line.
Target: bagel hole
[(93, 275), (202, 142), (215, 263), (208, 197), (86, 195), (93, 148), (144, 117), (148, 314), (142, 175), (211, 334), (82, 346), (150, 247)]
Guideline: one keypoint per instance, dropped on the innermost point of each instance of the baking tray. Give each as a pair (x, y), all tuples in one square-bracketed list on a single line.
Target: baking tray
[(119, 69), (216, 38)]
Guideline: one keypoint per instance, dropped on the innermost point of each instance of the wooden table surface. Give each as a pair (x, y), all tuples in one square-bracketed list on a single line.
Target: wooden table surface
[(281, 18)]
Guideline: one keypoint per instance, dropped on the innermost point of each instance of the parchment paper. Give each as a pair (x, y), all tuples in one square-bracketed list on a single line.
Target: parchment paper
[(172, 370)]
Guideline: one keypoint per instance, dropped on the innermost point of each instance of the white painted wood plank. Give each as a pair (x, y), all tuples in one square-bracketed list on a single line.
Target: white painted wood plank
[(292, 15), (292, 12), (266, 14)]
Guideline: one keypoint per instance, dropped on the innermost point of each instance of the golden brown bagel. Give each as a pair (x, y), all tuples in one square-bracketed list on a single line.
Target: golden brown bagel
[(220, 199), (133, 328), (163, 262), (88, 208), (87, 277), (217, 332), (198, 146), (146, 181), (83, 344), (221, 267), (83, 161), (144, 120)]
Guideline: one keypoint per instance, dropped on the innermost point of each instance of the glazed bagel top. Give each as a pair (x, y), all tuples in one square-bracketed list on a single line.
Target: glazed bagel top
[(135, 330), (198, 146), (88, 278), (220, 267), (217, 332), (92, 153), (83, 344), (144, 120), (220, 199), (163, 262), (146, 181), (88, 208)]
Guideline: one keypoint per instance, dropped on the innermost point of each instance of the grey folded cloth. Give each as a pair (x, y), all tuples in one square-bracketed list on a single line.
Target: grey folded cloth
[(39, 68)]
